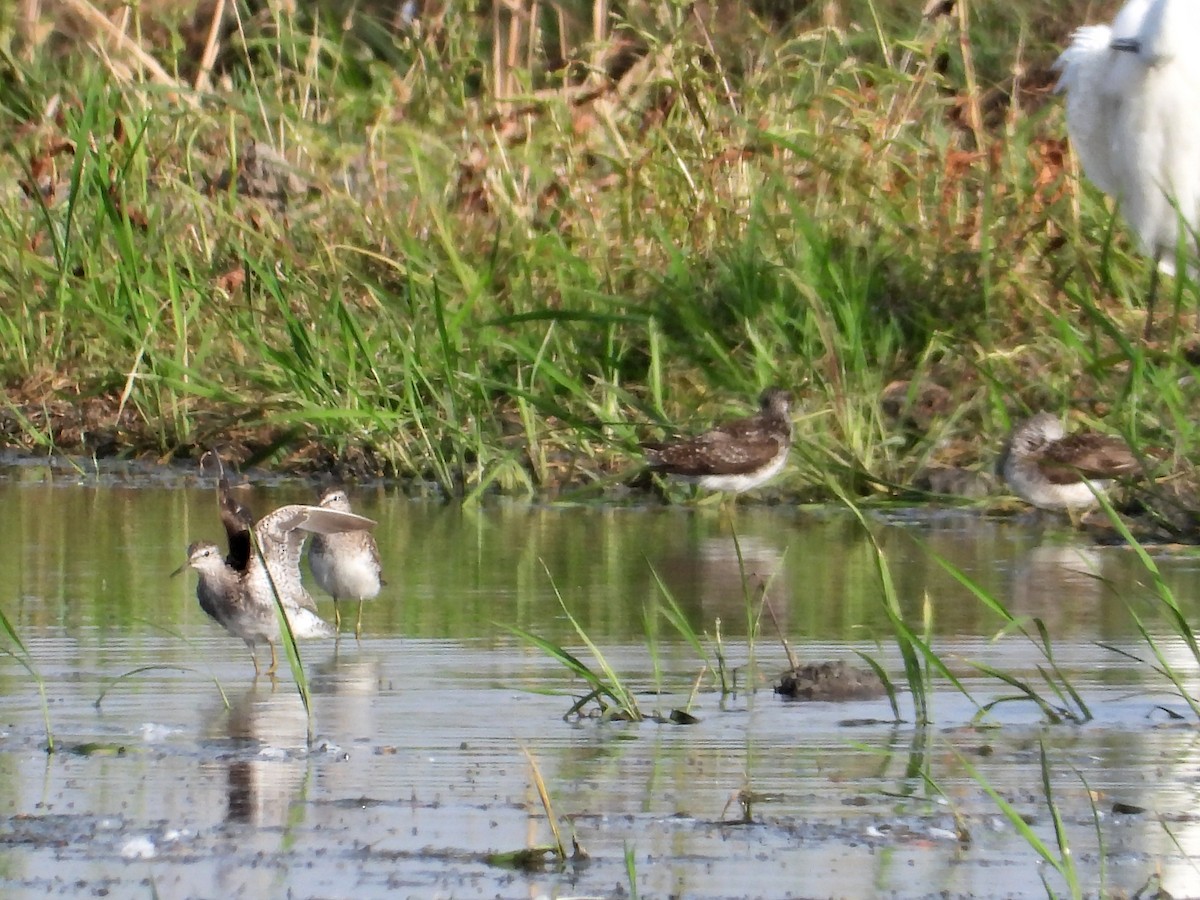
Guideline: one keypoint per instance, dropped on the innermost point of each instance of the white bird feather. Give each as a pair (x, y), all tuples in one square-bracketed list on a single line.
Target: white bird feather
[(1133, 116)]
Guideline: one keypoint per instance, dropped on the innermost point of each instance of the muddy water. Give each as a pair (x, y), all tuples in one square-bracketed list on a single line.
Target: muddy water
[(193, 779)]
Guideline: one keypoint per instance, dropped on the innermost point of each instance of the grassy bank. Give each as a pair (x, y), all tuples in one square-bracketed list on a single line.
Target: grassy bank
[(491, 250)]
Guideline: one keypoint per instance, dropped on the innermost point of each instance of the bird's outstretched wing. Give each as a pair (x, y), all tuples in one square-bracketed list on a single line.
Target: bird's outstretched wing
[(238, 521), (282, 533)]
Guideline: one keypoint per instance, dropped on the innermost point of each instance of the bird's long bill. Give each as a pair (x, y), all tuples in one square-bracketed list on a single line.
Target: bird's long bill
[(180, 569)]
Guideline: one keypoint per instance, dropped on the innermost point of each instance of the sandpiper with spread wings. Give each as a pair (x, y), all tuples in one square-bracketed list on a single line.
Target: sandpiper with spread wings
[(238, 590)]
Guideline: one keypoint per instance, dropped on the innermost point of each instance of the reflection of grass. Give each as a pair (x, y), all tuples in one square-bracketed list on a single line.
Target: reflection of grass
[(25, 658)]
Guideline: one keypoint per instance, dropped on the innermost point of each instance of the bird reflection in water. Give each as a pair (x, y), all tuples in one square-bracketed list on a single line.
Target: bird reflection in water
[(708, 576), (266, 765), (1061, 584)]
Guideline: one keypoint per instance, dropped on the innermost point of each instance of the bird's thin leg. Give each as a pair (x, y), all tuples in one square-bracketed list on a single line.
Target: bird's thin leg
[(337, 616), (1152, 296), (274, 660), (253, 658), (358, 624)]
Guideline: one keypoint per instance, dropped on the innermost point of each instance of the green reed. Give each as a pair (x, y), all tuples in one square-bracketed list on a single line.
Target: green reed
[(1176, 619), (669, 609), (27, 662), (1058, 856), (612, 694), (288, 639), (920, 660), (1057, 698), (614, 697), (473, 285), (631, 870)]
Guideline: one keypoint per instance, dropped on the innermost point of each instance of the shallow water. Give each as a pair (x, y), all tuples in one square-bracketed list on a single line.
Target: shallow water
[(417, 769)]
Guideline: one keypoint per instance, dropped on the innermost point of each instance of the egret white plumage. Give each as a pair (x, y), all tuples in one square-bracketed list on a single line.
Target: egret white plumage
[(1134, 120)]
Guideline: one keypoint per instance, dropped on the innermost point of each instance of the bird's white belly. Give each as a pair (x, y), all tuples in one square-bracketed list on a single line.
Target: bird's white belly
[(738, 483), (1033, 487), (346, 577)]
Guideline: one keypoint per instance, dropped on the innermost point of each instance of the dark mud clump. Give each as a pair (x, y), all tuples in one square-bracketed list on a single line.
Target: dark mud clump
[(833, 681)]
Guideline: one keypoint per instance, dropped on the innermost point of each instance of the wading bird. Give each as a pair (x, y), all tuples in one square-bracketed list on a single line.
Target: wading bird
[(733, 456), (1053, 470), (1134, 121), (238, 591), (345, 565)]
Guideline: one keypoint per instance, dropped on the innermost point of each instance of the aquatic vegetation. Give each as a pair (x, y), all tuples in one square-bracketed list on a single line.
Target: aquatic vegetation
[(547, 806), (631, 870), (376, 252), (22, 655), (1059, 858), (290, 646), (614, 698), (1058, 701), (670, 610), (536, 857), (1175, 617), (920, 659)]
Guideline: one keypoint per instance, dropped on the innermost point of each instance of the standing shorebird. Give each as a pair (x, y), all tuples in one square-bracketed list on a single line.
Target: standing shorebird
[(1053, 470), (1134, 122), (345, 565), (238, 591), (733, 456)]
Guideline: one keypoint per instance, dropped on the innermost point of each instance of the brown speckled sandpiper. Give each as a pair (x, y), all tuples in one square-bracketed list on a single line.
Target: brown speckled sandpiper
[(733, 456), (1054, 470)]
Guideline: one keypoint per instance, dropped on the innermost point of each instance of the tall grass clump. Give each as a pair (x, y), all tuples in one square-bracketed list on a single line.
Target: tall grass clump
[(465, 245)]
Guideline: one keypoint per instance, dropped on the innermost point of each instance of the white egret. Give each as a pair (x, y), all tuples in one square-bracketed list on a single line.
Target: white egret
[(1133, 115)]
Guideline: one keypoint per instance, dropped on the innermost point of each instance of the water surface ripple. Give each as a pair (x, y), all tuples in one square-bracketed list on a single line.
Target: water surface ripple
[(191, 778)]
